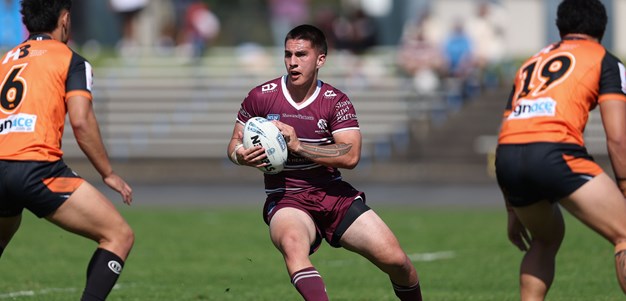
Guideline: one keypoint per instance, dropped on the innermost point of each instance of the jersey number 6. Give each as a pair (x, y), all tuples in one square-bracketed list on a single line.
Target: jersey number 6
[(13, 89)]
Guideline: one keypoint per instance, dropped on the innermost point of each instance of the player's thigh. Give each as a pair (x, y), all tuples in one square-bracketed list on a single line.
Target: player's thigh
[(8, 227), (89, 213), (371, 237), (292, 225), (600, 205), (543, 220)]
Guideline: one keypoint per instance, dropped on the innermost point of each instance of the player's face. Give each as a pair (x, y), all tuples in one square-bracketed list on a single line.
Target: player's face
[(302, 62)]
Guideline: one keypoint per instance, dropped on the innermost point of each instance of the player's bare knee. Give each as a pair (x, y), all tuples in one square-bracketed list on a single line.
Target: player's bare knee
[(292, 242), (127, 237), (396, 260), (121, 236)]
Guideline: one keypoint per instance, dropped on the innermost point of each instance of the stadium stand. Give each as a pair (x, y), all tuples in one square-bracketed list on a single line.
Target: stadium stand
[(169, 107)]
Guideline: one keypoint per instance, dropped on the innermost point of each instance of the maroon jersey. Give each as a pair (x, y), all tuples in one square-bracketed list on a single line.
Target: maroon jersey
[(315, 120)]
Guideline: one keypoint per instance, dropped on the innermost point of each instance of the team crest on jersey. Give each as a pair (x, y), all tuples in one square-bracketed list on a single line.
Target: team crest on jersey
[(268, 87), (273, 117), (330, 93), (322, 125)]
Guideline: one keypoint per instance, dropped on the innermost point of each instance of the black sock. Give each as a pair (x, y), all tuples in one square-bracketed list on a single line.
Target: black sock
[(102, 273), (1, 250), (408, 293)]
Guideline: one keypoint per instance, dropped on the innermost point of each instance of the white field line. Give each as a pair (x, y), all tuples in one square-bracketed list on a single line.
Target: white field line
[(424, 257), (432, 256), (44, 291)]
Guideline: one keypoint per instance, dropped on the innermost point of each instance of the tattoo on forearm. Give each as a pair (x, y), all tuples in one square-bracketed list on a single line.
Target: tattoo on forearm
[(325, 151)]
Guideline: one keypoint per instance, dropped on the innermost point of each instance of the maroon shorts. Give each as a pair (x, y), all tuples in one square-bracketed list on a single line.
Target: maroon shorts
[(333, 209)]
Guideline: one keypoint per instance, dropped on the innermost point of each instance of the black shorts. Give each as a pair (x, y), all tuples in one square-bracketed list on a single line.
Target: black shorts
[(528, 173), (39, 186)]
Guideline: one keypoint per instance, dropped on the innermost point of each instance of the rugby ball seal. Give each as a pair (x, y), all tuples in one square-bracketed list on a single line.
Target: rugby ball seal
[(259, 131)]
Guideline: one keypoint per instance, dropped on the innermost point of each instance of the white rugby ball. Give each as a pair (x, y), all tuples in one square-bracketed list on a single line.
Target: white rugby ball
[(262, 132)]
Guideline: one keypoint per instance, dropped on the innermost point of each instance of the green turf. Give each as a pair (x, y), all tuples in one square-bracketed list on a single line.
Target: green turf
[(225, 254)]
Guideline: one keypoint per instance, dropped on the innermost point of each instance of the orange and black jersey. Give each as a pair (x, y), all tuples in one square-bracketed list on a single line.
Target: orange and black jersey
[(555, 89), (38, 76)]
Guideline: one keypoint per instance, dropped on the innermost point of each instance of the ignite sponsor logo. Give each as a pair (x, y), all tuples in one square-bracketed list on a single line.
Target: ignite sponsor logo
[(23, 123), (541, 107)]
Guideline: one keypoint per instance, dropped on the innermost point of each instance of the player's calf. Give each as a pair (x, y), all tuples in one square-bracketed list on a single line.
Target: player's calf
[(102, 273), (309, 284), (620, 264)]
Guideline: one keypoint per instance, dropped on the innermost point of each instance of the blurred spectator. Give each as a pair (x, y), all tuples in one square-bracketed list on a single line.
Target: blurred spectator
[(420, 55), (11, 29), (158, 26), (356, 33), (285, 15), (180, 10), (422, 61), (201, 26), (486, 29), (458, 52), (324, 19), (428, 25), (128, 10)]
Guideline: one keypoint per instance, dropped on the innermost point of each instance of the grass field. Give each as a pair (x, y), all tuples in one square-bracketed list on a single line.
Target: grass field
[(224, 253)]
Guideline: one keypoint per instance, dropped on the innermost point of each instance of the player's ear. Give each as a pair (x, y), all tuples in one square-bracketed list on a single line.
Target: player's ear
[(64, 19), (64, 24), (321, 59)]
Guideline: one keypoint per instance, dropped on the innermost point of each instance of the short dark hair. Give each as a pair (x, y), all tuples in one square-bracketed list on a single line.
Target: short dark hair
[(582, 16), (42, 15), (309, 33)]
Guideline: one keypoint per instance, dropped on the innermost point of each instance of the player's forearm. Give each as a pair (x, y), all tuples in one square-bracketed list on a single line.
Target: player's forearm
[(90, 142), (336, 155), (617, 149)]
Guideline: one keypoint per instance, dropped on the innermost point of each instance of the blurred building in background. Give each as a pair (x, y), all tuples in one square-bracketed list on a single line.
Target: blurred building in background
[(243, 21)]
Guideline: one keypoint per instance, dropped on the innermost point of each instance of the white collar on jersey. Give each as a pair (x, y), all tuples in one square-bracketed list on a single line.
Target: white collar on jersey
[(305, 103)]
